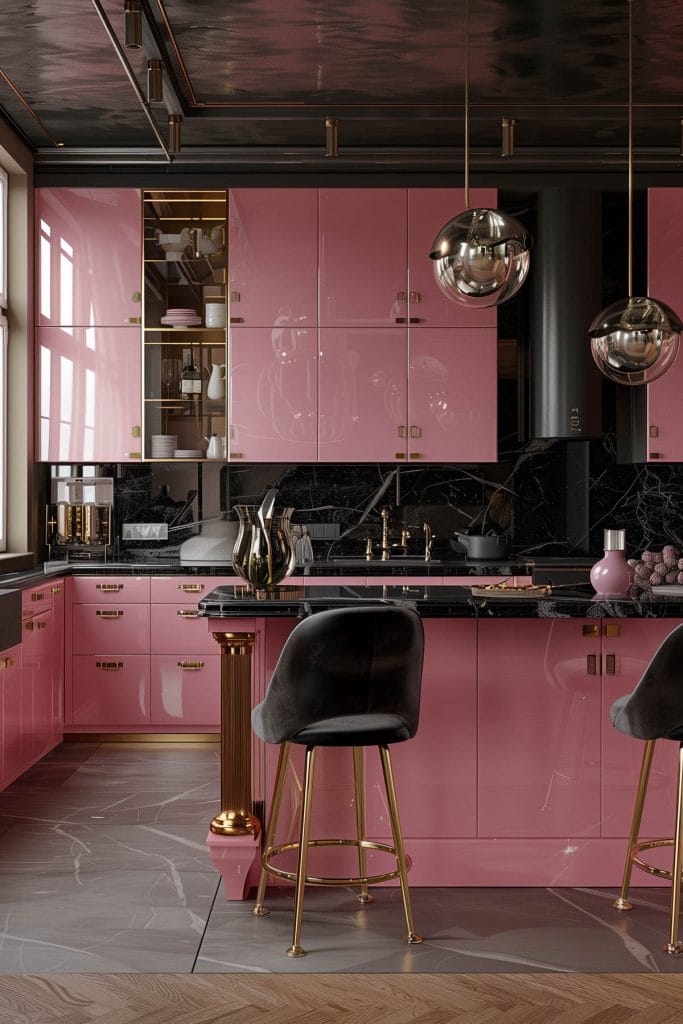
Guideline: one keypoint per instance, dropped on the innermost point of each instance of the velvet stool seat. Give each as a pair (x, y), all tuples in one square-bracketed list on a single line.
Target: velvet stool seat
[(348, 677), (654, 711)]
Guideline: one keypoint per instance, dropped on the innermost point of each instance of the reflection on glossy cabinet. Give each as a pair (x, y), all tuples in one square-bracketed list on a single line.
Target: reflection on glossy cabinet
[(627, 647), (665, 267), (273, 394), (539, 728), (274, 257), (186, 691), (363, 374), (452, 395), (89, 400), (10, 715), (89, 256)]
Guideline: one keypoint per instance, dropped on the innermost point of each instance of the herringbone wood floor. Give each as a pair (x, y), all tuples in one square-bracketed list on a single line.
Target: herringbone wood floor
[(342, 999)]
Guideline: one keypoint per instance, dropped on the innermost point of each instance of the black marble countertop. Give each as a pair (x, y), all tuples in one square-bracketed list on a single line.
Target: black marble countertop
[(433, 602)]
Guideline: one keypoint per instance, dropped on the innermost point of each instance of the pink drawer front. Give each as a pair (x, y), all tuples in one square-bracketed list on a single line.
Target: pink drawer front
[(104, 629), (180, 628), (184, 589), (110, 691), (186, 690), (37, 599), (116, 589)]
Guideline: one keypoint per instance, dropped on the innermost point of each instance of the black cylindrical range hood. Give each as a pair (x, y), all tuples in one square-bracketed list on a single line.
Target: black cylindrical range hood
[(566, 293)]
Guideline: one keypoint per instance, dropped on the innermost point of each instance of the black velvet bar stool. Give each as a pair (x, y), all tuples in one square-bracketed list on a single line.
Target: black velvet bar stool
[(348, 677), (655, 711)]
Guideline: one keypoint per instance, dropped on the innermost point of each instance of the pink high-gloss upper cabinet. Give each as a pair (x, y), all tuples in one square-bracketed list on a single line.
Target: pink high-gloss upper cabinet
[(362, 403), (273, 405), (628, 645), (429, 209), (10, 715), (363, 257), (274, 257), (452, 394), (89, 256), (89, 393), (665, 273), (539, 728)]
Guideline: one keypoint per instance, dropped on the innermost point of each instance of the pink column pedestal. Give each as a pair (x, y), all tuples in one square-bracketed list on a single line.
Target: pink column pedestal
[(238, 860)]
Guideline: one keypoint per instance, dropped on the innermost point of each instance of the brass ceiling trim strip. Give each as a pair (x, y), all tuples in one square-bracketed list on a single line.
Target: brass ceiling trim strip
[(178, 56), (22, 99)]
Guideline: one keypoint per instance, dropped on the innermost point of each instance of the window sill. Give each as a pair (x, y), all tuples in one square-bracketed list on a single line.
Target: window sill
[(16, 561)]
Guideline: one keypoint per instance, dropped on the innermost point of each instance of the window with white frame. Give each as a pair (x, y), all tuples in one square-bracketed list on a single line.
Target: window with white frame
[(3, 360)]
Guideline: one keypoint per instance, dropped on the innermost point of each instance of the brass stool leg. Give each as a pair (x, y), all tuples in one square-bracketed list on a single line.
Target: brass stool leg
[(673, 945), (623, 902), (269, 841), (398, 843), (363, 896), (295, 949)]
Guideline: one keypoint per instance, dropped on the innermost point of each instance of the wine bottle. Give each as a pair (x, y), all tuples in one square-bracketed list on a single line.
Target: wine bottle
[(190, 376)]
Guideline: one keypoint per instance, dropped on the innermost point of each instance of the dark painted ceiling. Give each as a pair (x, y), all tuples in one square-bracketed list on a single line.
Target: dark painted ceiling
[(254, 81)]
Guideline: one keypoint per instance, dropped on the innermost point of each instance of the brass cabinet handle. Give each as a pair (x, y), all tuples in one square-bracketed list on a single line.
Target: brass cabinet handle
[(41, 625), (109, 613), (415, 455), (188, 613), (415, 296), (134, 320), (191, 666), (236, 319), (6, 663), (613, 629), (401, 431), (401, 320), (591, 664), (653, 431), (399, 455), (191, 588), (109, 588), (56, 590), (235, 296), (592, 630), (38, 595), (655, 455), (236, 455), (29, 625), (109, 666), (415, 431), (611, 664)]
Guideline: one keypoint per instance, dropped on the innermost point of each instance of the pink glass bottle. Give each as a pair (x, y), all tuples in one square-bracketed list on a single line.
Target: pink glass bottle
[(612, 575)]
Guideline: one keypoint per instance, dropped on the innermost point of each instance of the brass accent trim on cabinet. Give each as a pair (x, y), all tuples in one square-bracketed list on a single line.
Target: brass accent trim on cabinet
[(191, 666), (38, 595), (191, 588), (591, 630), (109, 666), (109, 613), (109, 588), (613, 629), (188, 613)]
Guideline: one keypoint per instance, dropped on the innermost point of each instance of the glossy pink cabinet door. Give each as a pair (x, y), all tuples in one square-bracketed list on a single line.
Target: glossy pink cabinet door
[(186, 690), (273, 403), (363, 271), (629, 653), (452, 394), (98, 629), (428, 210), (274, 257), (89, 256), (665, 272), (89, 393), (110, 691), (10, 715), (36, 688), (539, 729), (362, 395)]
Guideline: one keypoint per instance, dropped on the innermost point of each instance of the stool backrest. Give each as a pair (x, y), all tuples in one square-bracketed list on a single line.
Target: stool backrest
[(655, 708), (346, 661)]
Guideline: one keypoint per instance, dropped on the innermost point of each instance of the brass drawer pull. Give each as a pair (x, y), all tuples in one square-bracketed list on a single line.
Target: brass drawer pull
[(399, 455), (613, 629), (109, 588), (191, 588), (415, 431), (415, 455), (6, 663), (29, 625), (611, 664), (38, 595), (41, 625), (401, 431), (236, 455), (109, 613), (590, 630), (56, 590), (591, 664), (191, 666), (188, 613), (401, 319), (109, 666)]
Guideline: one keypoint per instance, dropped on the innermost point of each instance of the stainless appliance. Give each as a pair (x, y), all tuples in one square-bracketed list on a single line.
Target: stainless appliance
[(78, 518)]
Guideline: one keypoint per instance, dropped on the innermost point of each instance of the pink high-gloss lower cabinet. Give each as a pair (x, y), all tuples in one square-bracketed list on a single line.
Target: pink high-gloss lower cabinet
[(111, 691), (88, 255), (665, 270), (37, 729), (626, 653), (539, 728), (102, 629), (10, 715), (89, 393), (186, 690), (429, 209), (363, 257), (178, 627), (274, 257), (452, 395), (273, 404), (363, 389)]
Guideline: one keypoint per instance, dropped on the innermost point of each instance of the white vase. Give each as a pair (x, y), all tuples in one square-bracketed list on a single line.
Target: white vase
[(215, 389)]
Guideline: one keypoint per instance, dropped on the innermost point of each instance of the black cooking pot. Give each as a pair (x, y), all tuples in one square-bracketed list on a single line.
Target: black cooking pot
[(484, 545)]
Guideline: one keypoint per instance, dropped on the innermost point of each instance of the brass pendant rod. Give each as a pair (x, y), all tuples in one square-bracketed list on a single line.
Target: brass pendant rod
[(630, 147), (467, 104)]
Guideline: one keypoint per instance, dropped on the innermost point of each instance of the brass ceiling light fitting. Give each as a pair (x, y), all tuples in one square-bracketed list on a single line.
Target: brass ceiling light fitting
[(132, 24), (481, 257), (634, 340), (174, 129), (331, 136), (507, 125), (155, 81)]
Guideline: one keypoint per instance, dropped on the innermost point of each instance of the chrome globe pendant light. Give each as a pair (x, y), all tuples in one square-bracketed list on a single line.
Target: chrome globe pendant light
[(481, 257), (634, 340)]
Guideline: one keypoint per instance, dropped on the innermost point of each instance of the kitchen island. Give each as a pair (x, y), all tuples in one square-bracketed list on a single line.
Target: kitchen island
[(516, 776)]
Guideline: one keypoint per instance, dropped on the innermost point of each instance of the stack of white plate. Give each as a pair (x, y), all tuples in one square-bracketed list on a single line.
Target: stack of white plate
[(188, 453), (164, 445), (181, 318)]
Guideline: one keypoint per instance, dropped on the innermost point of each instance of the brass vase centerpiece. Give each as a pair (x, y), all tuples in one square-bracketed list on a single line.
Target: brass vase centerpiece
[(264, 550)]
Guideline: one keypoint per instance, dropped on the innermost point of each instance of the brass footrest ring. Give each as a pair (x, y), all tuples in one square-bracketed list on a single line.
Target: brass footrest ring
[(365, 844), (653, 844)]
